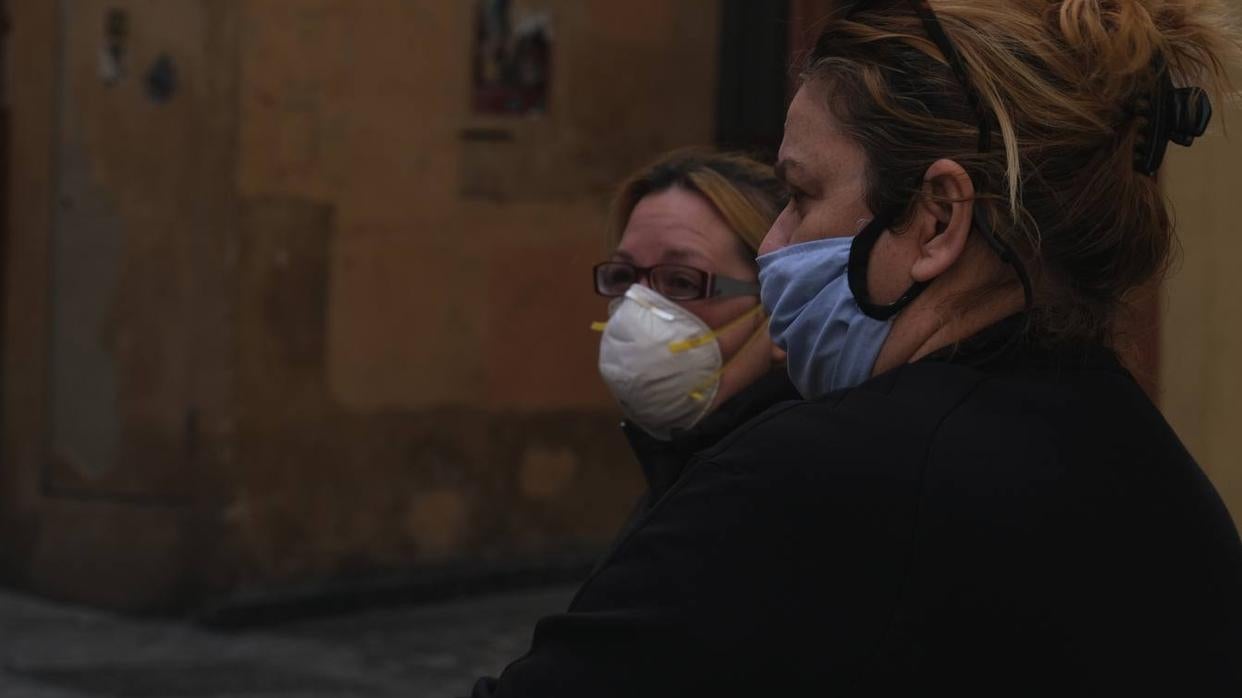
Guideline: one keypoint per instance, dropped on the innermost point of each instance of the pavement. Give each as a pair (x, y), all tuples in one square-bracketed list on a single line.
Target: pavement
[(426, 651)]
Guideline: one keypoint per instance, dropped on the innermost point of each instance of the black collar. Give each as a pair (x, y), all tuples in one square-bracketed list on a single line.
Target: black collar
[(1012, 342)]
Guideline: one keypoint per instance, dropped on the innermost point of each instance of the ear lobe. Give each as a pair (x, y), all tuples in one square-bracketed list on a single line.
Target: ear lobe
[(950, 209)]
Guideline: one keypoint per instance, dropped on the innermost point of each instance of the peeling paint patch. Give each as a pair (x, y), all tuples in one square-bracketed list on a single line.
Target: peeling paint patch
[(88, 249)]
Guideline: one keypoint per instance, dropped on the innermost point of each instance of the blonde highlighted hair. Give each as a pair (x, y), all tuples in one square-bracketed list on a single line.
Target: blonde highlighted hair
[(1063, 83), (744, 191)]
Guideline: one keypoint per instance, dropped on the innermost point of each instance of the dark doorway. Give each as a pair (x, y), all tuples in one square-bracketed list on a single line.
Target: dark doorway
[(752, 81), (4, 180)]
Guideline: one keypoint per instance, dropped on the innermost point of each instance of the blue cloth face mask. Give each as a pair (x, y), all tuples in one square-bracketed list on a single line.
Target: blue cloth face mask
[(815, 317)]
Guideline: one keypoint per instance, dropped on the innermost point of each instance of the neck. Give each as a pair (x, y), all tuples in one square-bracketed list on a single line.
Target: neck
[(938, 318)]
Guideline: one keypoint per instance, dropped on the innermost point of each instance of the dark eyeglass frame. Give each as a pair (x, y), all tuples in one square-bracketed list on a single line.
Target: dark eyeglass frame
[(712, 285), (935, 32)]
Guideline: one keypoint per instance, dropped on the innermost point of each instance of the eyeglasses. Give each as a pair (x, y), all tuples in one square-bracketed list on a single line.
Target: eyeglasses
[(936, 33), (675, 282)]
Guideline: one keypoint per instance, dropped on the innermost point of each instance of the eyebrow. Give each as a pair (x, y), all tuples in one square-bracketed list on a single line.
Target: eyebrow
[(683, 255), (671, 255)]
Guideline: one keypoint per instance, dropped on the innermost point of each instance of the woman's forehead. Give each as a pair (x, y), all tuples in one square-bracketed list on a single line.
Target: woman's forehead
[(675, 225), (808, 117), (814, 143)]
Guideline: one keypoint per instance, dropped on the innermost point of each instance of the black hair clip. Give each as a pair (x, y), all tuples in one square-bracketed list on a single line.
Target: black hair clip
[(1178, 114)]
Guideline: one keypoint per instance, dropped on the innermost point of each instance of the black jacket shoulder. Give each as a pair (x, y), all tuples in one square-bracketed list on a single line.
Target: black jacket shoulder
[(1019, 526)]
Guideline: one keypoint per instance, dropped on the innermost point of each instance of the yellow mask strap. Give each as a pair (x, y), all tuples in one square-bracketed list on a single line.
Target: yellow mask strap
[(697, 394), (700, 340)]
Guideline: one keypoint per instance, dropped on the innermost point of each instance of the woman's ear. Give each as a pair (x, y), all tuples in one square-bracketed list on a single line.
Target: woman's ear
[(947, 211)]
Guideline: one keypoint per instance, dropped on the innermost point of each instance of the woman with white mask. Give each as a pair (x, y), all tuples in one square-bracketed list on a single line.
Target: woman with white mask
[(685, 350)]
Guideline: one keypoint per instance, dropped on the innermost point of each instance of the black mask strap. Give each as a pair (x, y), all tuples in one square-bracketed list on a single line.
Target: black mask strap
[(860, 250), (860, 258)]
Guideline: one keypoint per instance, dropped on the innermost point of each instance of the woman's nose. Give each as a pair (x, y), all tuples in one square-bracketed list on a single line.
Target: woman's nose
[(778, 234)]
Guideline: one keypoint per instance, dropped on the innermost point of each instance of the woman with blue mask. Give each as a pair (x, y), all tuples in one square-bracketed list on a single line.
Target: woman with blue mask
[(685, 349), (975, 497)]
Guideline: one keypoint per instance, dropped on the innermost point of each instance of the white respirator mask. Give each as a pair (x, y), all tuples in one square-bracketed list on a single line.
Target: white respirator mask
[(660, 361)]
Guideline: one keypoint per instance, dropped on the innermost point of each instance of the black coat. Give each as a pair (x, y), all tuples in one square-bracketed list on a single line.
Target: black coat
[(664, 461), (993, 520)]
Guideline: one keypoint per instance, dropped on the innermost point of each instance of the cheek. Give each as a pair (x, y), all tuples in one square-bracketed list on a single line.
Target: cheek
[(720, 313), (717, 312), (888, 272), (822, 219), (829, 219)]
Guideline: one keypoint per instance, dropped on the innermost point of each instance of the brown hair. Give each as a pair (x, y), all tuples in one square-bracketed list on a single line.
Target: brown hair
[(1060, 82), (744, 191)]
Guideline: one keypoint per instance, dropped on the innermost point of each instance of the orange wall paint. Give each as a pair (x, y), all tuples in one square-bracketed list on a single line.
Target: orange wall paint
[(352, 336)]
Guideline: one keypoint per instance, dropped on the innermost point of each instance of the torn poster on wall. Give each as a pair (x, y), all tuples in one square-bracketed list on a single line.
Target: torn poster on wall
[(512, 59)]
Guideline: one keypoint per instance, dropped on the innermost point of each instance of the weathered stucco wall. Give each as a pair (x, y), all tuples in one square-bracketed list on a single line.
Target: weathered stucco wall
[(1201, 328), (117, 368), (417, 382), (311, 316)]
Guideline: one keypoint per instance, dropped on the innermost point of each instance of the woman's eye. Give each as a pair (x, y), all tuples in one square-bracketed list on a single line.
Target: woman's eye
[(684, 283), (617, 277), (679, 281)]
